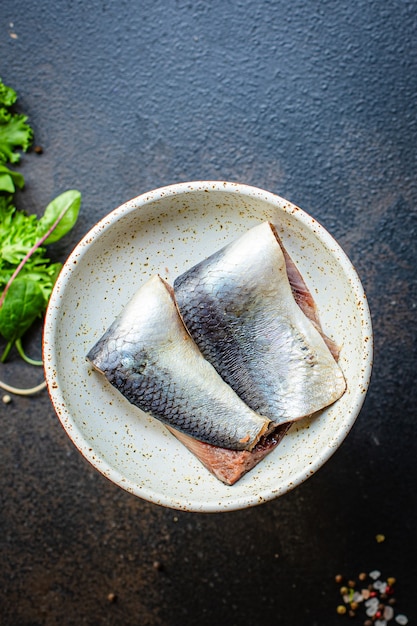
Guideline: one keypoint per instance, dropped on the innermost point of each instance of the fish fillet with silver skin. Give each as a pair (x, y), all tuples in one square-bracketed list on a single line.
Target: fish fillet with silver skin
[(239, 308), (148, 355)]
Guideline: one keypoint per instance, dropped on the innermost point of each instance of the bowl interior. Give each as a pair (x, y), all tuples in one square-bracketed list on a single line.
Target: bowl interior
[(166, 232)]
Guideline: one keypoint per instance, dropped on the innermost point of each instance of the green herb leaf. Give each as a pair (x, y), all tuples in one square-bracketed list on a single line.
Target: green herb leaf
[(43, 273), (19, 237), (6, 183), (8, 96), (24, 302), (14, 133), (9, 180), (64, 208)]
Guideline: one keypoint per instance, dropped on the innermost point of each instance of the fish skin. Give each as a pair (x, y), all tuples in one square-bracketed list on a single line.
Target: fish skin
[(148, 355), (303, 297), (239, 308)]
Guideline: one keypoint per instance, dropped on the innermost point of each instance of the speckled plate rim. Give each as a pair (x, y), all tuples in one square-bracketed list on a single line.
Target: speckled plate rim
[(51, 366)]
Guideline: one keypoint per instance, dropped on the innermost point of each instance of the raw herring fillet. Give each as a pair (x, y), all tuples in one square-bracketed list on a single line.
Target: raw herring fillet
[(148, 355), (239, 307)]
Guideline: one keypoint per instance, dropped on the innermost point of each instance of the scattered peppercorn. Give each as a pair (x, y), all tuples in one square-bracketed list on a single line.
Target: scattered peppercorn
[(111, 597), (375, 600)]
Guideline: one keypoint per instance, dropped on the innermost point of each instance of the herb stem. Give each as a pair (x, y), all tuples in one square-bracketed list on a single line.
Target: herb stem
[(22, 392), (6, 351), (19, 346)]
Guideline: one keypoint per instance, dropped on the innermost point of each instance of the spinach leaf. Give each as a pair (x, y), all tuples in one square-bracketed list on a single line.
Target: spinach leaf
[(24, 302), (61, 215)]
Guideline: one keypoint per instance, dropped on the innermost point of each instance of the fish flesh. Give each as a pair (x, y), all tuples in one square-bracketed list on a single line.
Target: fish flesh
[(239, 307), (149, 356), (230, 465)]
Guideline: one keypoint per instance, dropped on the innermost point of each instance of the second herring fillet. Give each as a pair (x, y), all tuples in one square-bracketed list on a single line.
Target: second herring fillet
[(239, 308), (148, 355)]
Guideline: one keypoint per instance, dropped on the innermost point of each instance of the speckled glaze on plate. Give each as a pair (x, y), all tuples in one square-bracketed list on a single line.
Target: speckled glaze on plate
[(166, 231)]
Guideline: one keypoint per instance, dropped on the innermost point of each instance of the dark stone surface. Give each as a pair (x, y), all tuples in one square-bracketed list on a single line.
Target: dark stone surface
[(315, 102)]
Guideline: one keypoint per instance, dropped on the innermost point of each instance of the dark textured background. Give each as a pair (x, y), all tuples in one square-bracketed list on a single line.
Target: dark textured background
[(315, 101)]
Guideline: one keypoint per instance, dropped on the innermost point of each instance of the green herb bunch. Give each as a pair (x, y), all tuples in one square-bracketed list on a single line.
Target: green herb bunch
[(27, 276)]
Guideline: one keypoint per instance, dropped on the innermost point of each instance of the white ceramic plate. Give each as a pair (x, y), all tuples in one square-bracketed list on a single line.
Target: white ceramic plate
[(167, 231)]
